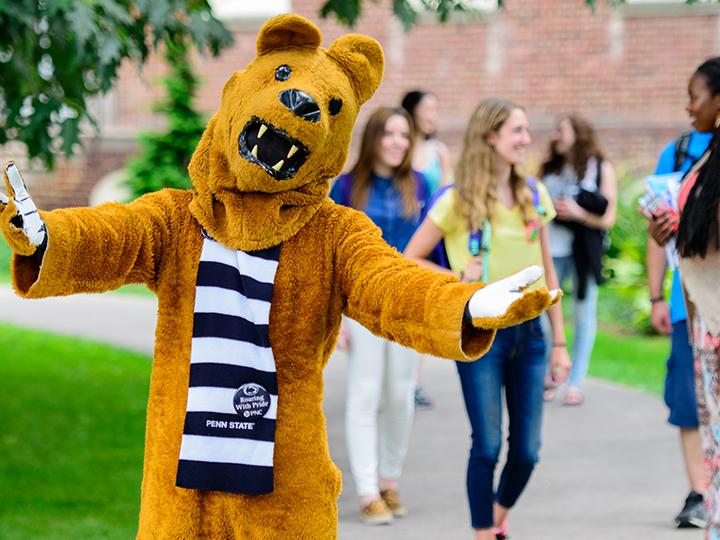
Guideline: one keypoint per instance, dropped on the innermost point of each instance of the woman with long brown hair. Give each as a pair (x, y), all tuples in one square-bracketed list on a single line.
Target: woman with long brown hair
[(493, 222), (383, 185), (583, 186)]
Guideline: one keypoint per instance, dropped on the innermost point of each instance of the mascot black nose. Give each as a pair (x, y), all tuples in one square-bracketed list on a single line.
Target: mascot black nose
[(300, 103)]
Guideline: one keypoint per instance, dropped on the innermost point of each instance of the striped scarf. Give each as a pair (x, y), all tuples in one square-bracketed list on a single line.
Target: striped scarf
[(229, 434)]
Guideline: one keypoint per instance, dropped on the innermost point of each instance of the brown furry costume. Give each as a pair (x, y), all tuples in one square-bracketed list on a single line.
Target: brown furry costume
[(333, 260)]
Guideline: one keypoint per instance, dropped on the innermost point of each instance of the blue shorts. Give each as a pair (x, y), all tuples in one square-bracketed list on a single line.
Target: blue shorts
[(680, 380)]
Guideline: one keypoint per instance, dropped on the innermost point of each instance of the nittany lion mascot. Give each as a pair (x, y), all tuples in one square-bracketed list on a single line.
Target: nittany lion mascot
[(253, 269)]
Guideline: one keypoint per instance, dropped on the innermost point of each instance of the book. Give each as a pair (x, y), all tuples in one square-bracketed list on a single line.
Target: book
[(661, 196)]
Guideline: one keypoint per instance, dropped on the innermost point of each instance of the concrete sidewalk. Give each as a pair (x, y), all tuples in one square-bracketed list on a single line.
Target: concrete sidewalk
[(610, 470)]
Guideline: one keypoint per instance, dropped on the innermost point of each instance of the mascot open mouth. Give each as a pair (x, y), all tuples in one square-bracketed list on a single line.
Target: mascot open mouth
[(274, 150)]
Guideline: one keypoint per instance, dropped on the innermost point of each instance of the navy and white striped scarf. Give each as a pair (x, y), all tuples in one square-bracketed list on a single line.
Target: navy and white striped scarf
[(229, 434)]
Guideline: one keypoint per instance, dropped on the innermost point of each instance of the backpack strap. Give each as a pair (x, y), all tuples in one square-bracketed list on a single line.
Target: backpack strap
[(421, 186), (598, 174), (682, 143), (533, 185), (434, 198)]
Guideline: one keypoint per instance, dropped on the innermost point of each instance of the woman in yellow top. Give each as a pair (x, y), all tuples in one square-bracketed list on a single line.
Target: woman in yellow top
[(494, 222)]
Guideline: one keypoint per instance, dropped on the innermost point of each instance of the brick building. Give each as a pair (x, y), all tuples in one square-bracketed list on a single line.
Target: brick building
[(624, 68)]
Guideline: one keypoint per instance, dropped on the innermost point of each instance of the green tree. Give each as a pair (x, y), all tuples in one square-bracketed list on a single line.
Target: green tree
[(349, 11), (165, 156), (55, 54)]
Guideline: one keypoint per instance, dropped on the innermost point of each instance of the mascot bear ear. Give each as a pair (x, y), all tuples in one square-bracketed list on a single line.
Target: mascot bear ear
[(287, 32), (361, 57)]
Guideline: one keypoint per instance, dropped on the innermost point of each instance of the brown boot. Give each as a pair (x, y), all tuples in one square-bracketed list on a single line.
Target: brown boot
[(391, 499)]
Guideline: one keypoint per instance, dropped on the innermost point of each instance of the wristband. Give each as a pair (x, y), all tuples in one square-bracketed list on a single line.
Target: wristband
[(656, 299), (559, 344)]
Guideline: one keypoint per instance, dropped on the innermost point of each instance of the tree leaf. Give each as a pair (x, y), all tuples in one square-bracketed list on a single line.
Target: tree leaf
[(70, 134), (82, 22), (109, 49)]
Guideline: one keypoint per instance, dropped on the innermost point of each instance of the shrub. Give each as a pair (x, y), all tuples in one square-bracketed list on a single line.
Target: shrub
[(624, 299), (165, 156)]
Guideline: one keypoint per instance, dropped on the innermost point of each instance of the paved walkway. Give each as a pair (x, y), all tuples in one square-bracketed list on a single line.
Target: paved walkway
[(610, 470)]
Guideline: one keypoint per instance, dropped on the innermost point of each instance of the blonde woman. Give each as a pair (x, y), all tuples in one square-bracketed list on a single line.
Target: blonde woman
[(493, 222)]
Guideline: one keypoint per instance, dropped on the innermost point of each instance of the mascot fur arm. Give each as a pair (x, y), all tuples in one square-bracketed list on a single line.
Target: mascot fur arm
[(396, 299), (96, 249)]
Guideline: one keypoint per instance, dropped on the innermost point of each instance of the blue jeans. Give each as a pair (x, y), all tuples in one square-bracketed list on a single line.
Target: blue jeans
[(584, 320), (515, 362)]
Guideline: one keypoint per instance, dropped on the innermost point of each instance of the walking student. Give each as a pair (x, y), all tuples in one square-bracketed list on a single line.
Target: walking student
[(670, 318), (493, 222), (430, 155), (381, 374), (698, 245), (583, 187), (432, 159)]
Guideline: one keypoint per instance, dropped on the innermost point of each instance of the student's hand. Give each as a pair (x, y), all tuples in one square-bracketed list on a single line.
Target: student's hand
[(474, 270), (507, 302), (660, 317), (559, 365), (663, 226), (568, 210), (20, 221)]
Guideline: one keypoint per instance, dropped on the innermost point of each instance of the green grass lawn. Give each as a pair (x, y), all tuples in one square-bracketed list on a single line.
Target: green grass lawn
[(73, 417), (4, 261), (637, 361)]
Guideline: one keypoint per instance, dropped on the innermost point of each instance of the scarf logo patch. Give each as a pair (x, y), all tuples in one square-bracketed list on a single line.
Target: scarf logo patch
[(251, 401)]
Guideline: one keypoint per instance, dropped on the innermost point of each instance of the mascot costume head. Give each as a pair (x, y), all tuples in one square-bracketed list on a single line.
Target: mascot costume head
[(282, 133)]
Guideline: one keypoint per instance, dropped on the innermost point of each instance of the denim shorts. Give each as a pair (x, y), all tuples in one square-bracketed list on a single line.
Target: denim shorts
[(680, 380)]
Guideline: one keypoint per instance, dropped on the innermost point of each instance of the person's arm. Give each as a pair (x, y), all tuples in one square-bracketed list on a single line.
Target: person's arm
[(418, 308), (569, 210), (445, 168), (422, 243), (88, 249), (656, 262), (662, 226), (690, 308), (559, 357)]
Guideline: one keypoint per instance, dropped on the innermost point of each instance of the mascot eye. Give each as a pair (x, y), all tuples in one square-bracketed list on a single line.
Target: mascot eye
[(335, 106), (283, 73)]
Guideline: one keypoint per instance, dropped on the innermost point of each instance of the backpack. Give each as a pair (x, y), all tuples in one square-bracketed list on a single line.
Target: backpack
[(476, 244), (682, 144)]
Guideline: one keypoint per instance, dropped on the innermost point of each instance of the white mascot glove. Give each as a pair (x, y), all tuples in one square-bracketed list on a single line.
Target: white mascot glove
[(506, 303), (19, 211)]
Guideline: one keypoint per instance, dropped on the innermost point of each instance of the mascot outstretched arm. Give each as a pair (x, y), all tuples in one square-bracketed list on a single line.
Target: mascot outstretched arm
[(253, 269)]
